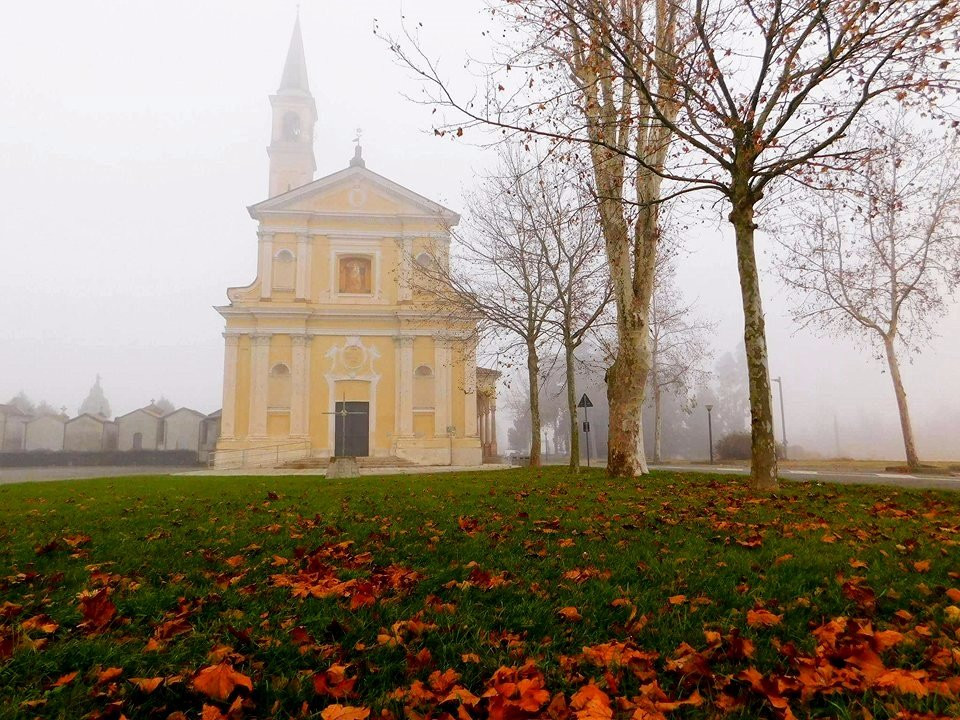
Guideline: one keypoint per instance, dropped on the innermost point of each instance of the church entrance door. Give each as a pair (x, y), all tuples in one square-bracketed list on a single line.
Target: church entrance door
[(352, 429)]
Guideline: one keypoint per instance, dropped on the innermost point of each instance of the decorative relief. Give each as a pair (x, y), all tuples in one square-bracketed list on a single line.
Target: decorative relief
[(352, 359)]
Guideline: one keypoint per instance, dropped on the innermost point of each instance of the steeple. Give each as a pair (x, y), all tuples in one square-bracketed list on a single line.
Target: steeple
[(295, 69), (292, 162)]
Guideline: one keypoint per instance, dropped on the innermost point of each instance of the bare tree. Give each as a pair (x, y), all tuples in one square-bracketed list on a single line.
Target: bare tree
[(752, 91), (499, 275), (679, 346), (564, 216), (561, 81), (875, 257), (766, 89)]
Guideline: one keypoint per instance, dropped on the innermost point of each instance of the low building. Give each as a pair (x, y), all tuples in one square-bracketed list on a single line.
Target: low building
[(182, 430), (89, 433), (45, 432), (141, 429), (13, 422), (209, 434)]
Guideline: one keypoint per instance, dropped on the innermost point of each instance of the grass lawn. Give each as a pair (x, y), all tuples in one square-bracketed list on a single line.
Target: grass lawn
[(509, 595)]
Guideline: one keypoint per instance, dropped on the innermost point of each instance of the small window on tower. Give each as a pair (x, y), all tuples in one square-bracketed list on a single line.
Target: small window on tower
[(291, 126)]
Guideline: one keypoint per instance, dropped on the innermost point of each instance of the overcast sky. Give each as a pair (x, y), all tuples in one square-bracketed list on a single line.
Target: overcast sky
[(132, 138)]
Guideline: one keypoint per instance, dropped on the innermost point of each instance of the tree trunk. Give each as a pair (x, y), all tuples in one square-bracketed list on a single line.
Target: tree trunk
[(533, 377), (572, 408), (913, 461), (763, 468), (657, 423), (626, 379)]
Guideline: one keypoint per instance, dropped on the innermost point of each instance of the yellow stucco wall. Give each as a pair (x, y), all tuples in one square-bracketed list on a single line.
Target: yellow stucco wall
[(360, 216)]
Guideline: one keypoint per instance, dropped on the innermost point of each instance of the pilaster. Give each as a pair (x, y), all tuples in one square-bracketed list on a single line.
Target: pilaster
[(300, 400), (304, 252), (404, 422), (443, 390), (228, 416), (404, 289), (265, 267), (259, 372), (469, 391)]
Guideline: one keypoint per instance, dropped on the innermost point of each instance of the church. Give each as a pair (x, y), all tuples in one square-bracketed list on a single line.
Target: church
[(333, 350)]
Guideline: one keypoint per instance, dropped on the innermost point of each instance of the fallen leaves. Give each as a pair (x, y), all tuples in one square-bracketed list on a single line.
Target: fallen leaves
[(344, 712), (97, 609), (761, 618), (219, 681)]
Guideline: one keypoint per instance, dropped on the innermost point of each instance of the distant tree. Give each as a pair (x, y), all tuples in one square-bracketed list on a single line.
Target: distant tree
[(678, 343), (878, 256), (45, 408), (22, 403), (565, 222), (164, 405), (499, 274)]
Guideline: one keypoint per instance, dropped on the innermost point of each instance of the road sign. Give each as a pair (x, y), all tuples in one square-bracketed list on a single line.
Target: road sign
[(584, 402)]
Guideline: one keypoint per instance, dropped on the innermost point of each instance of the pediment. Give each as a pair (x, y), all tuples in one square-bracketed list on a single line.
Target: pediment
[(354, 191)]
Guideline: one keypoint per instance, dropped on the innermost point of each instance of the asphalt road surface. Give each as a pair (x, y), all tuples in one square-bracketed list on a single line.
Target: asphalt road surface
[(843, 477)]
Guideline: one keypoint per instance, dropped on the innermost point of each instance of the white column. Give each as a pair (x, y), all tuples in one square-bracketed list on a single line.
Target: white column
[(493, 427), (442, 387), (469, 390), (228, 416), (404, 290), (259, 371), (265, 267), (303, 267), (404, 423), (300, 390)]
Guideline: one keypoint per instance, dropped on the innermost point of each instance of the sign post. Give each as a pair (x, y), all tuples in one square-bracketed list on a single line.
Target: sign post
[(585, 403)]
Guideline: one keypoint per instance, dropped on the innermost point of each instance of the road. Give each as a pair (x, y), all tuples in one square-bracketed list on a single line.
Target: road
[(843, 477)]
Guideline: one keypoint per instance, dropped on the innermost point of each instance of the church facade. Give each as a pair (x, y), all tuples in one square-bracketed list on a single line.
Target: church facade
[(332, 350)]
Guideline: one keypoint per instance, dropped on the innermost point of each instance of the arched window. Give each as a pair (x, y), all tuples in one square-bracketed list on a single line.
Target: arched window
[(426, 260), (291, 126), (423, 388), (279, 387), (284, 269)]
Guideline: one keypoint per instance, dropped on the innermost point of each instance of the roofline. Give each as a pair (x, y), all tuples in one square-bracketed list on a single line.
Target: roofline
[(443, 211)]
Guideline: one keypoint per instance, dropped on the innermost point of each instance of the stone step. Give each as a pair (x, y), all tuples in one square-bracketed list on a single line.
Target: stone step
[(313, 463)]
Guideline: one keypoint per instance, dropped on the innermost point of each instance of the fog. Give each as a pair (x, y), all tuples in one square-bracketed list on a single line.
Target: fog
[(133, 137)]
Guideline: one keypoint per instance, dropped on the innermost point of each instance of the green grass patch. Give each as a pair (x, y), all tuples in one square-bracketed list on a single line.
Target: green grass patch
[(348, 591)]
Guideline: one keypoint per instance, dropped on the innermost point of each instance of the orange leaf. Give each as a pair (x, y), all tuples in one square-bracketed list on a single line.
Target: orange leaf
[(762, 618), (570, 614), (921, 566), (42, 623), (219, 681), (211, 712), (953, 594), (65, 679), (677, 599), (344, 712), (147, 685), (109, 675)]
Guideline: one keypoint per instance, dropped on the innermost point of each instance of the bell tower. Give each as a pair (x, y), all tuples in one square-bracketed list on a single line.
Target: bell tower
[(292, 162)]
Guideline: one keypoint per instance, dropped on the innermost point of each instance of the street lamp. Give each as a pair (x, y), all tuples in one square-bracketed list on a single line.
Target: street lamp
[(710, 430), (783, 422)]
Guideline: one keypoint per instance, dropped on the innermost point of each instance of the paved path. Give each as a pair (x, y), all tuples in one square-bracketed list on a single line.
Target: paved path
[(843, 477), (43, 474)]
